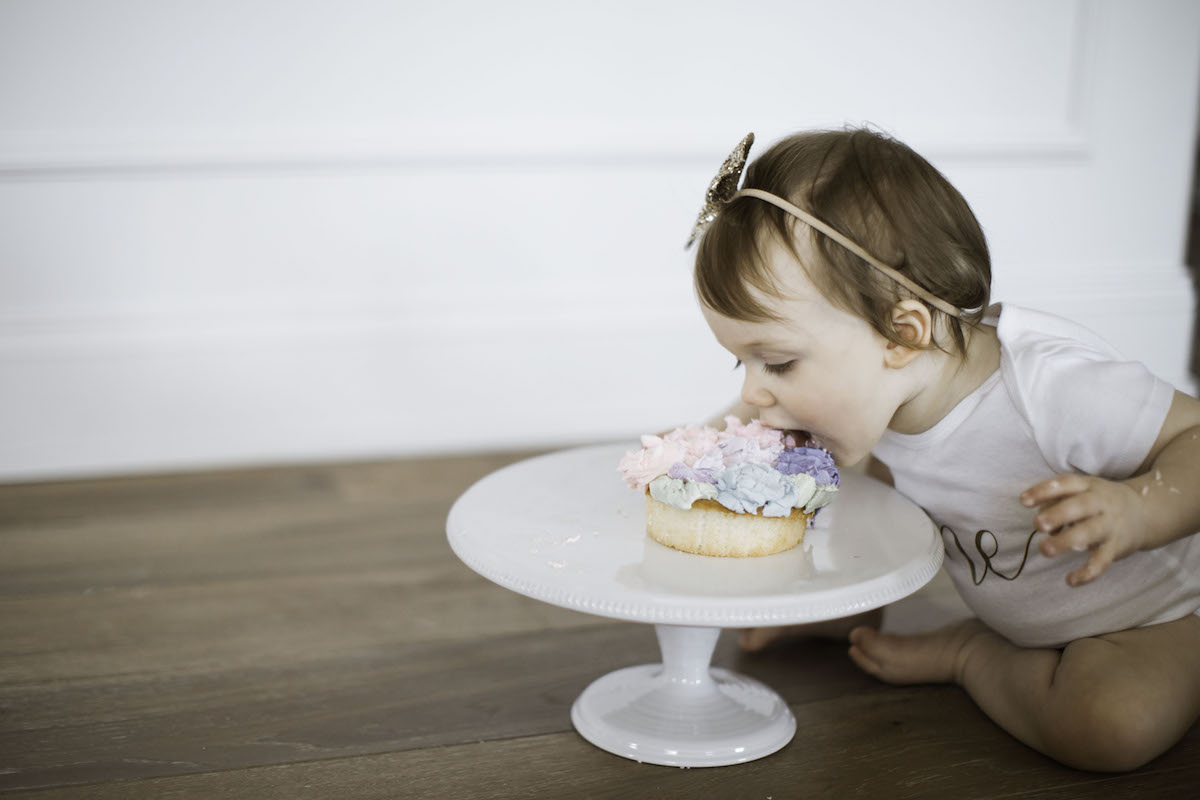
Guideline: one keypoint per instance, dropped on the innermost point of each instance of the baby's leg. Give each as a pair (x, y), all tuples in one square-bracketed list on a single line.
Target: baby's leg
[(755, 639), (1107, 703)]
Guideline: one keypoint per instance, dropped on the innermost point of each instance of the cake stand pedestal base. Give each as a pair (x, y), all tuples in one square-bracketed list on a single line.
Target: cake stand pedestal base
[(682, 712)]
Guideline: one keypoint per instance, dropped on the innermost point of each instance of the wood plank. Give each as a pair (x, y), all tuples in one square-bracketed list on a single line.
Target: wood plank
[(256, 632), (187, 599), (329, 702), (422, 697), (184, 613), (125, 532), (244, 623), (927, 742), (435, 479)]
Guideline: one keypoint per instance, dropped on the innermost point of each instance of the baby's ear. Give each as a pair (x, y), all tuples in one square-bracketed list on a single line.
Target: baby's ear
[(913, 322)]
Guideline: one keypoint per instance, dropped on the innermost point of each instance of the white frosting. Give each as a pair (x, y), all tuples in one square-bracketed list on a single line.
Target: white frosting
[(680, 493), (806, 487), (821, 498)]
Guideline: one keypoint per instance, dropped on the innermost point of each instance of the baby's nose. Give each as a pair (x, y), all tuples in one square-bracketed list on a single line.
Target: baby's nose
[(756, 395)]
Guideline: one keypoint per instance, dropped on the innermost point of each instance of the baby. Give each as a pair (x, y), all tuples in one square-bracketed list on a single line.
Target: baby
[(851, 281)]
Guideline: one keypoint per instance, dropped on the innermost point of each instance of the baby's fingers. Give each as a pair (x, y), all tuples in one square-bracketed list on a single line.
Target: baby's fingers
[(1102, 556), (1053, 489), (1091, 534), (1069, 512), (1078, 537)]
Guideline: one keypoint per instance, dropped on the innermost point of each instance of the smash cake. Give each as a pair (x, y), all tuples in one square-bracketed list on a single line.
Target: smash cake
[(747, 490)]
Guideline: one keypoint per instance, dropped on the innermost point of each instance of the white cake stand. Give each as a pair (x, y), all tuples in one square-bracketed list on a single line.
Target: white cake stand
[(564, 529)]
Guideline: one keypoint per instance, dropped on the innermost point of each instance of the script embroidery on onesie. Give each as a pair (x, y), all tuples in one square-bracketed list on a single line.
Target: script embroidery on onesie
[(977, 576)]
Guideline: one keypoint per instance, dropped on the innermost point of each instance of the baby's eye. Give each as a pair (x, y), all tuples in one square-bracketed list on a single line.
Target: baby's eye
[(778, 369), (737, 363)]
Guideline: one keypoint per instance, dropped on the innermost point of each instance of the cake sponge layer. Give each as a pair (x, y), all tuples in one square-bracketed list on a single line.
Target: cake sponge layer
[(710, 529)]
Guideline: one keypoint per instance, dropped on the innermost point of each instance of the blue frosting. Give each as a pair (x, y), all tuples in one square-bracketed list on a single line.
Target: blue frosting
[(746, 487)]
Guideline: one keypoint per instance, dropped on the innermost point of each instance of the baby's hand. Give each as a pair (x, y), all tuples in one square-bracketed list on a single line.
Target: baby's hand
[(1085, 513)]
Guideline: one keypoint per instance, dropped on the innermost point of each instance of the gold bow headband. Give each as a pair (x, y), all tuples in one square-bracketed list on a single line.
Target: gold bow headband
[(723, 189)]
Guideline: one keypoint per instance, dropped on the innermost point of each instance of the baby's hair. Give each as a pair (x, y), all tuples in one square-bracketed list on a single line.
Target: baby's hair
[(875, 190)]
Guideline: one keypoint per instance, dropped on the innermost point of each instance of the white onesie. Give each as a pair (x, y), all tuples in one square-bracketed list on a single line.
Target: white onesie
[(1062, 401)]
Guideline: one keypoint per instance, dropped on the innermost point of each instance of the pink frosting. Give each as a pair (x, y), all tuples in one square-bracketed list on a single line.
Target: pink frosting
[(697, 442), (737, 450), (698, 446), (656, 457), (755, 431), (752, 443)]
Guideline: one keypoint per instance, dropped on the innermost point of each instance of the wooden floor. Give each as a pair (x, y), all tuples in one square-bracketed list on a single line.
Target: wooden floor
[(306, 632)]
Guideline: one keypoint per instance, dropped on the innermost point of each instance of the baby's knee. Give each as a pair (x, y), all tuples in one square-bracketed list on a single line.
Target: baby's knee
[(1106, 732)]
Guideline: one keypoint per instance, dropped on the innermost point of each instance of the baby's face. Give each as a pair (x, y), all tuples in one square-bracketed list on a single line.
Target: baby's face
[(823, 370)]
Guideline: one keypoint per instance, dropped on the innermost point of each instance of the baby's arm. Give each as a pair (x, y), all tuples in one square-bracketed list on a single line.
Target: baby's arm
[(1160, 504)]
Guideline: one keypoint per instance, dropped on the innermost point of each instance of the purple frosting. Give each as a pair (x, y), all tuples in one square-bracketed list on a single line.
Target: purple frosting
[(683, 472), (810, 460), (703, 470)]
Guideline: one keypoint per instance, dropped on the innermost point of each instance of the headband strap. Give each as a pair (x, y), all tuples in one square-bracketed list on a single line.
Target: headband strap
[(853, 247), (723, 189)]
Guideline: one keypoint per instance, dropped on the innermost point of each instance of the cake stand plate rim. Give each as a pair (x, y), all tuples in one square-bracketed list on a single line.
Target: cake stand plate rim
[(590, 585)]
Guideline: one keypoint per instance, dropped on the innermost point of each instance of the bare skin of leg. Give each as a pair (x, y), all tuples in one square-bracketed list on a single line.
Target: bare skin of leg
[(753, 640), (1109, 703)]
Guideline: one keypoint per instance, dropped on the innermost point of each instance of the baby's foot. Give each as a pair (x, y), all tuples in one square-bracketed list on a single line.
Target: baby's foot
[(754, 639), (924, 658)]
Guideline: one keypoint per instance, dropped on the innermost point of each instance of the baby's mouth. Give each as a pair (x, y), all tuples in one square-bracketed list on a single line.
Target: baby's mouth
[(800, 438)]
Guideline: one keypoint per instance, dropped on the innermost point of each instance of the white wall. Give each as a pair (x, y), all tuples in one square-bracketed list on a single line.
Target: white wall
[(250, 232)]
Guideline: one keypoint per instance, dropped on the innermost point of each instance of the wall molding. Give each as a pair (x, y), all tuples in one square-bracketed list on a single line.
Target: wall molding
[(407, 150), (469, 311), (165, 399)]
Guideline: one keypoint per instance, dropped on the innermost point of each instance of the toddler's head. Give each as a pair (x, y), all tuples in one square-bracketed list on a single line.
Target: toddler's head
[(881, 195)]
